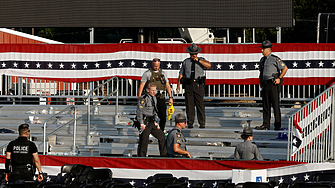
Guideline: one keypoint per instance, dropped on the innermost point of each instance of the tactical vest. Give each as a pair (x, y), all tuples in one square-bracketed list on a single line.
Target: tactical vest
[(157, 78), (21, 154)]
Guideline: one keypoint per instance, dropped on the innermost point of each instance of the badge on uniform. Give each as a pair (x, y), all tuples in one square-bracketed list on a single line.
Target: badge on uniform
[(178, 135)]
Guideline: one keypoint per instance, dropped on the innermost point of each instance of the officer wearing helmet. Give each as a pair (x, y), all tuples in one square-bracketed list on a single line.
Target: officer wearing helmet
[(247, 150)]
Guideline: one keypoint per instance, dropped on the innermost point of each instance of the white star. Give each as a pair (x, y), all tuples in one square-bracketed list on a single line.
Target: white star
[(132, 183), (214, 184), (295, 64), (48, 179), (306, 177), (244, 66), (26, 65), (180, 65), (294, 141), (218, 66), (281, 180), (49, 65), (231, 66), (15, 64), (38, 65), (120, 64), (3, 64), (132, 63), (73, 66), (256, 66), (85, 66), (293, 178), (321, 64), (333, 64), (145, 184), (97, 65), (145, 64), (189, 184), (61, 66), (35, 178), (308, 64), (109, 64), (169, 65)]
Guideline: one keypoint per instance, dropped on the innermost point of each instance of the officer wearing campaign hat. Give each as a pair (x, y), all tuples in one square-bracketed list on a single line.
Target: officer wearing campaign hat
[(272, 70), (192, 76), (175, 142), (247, 150), (22, 156)]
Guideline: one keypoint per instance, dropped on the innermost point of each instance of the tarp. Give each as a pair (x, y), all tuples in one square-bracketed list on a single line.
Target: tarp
[(309, 64)]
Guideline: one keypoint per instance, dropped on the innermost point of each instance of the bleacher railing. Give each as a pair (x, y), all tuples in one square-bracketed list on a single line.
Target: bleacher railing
[(14, 89), (311, 130)]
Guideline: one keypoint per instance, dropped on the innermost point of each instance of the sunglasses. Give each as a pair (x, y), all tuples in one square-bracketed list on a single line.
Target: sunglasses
[(155, 60)]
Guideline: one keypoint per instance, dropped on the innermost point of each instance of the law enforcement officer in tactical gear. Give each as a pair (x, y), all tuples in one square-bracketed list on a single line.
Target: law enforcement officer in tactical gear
[(22, 156), (192, 77), (157, 76), (147, 117), (176, 143), (247, 150), (272, 70)]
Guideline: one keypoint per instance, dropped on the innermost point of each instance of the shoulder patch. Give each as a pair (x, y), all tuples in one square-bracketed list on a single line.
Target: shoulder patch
[(278, 59), (142, 100), (178, 135)]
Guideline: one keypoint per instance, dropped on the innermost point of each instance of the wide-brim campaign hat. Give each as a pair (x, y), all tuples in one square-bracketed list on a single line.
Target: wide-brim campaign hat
[(180, 118), (247, 131), (266, 44), (193, 49)]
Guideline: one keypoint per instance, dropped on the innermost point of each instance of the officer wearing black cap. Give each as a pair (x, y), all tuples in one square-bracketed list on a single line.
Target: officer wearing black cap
[(21, 155), (192, 76), (157, 76), (247, 150), (175, 142), (147, 118), (272, 71)]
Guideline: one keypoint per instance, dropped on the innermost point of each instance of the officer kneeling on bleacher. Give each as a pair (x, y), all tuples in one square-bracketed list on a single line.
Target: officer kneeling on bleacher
[(176, 143), (22, 155)]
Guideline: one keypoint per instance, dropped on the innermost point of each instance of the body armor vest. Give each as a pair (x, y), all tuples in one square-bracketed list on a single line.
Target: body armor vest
[(21, 154), (157, 78)]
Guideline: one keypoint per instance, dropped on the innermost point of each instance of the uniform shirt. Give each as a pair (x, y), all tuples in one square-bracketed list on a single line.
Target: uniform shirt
[(21, 151), (186, 68), (147, 74), (247, 150), (272, 65), (175, 137), (146, 107)]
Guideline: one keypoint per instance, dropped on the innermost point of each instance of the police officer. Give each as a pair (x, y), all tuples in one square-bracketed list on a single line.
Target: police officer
[(272, 71), (193, 78), (247, 150), (176, 143), (21, 155), (157, 76), (147, 116)]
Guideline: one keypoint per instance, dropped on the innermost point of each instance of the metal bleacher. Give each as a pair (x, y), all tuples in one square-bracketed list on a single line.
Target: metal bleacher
[(217, 140)]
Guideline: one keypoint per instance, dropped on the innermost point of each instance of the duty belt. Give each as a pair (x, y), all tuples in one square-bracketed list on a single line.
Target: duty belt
[(160, 92)]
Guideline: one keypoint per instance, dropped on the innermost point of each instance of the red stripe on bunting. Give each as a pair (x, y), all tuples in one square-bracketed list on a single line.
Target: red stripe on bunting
[(160, 163)]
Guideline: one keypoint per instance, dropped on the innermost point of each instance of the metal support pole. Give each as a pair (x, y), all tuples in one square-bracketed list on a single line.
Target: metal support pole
[(333, 123), (244, 35), (116, 117), (88, 137), (91, 35), (278, 34), (253, 35), (228, 35), (74, 129)]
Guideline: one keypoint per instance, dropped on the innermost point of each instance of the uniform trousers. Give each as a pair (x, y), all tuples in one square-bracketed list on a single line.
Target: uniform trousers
[(161, 107), (194, 97), (144, 140), (270, 95), (21, 174)]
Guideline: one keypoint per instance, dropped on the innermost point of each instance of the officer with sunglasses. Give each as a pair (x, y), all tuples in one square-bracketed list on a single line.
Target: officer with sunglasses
[(22, 157)]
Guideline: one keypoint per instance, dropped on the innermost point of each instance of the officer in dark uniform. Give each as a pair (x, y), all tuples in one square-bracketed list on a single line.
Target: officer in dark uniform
[(21, 155), (272, 71), (175, 142), (157, 76), (247, 150), (193, 78), (147, 116)]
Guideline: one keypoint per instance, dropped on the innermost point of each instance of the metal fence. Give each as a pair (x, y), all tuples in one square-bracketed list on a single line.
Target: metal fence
[(14, 89), (311, 130)]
